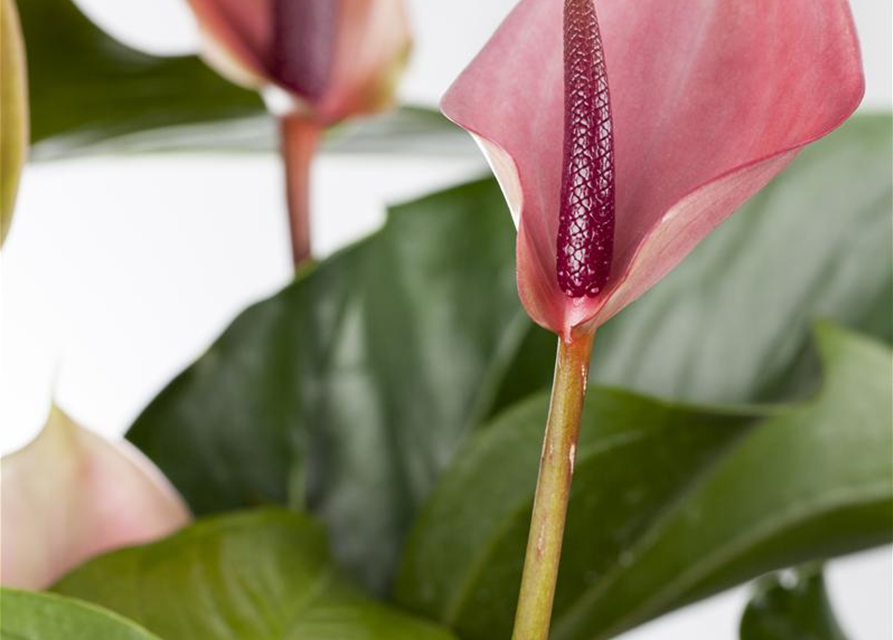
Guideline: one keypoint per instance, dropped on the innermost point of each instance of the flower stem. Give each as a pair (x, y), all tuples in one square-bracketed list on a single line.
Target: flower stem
[(299, 140), (534, 612)]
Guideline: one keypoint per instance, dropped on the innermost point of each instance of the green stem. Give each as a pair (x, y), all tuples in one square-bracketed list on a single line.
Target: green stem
[(299, 139), (553, 486)]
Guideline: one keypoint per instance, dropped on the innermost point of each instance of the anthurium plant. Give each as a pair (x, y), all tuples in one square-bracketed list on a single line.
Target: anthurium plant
[(389, 448)]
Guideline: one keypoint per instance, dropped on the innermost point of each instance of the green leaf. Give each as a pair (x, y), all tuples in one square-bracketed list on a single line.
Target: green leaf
[(251, 576), (354, 385), (796, 608), (14, 110), (26, 615), (91, 94), (669, 504)]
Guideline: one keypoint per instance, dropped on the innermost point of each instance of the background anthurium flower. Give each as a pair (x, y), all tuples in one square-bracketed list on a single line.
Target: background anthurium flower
[(335, 58), (710, 100), (316, 62), (70, 495)]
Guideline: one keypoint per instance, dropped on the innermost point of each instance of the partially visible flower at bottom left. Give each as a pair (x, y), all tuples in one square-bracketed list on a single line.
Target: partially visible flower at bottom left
[(70, 495)]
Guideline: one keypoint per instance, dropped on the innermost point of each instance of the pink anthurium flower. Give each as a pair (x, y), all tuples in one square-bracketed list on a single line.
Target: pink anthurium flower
[(334, 58), (317, 62), (622, 133), (70, 495), (621, 142)]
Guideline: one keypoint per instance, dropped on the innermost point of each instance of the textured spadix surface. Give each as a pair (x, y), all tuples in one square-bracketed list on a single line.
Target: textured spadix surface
[(586, 220)]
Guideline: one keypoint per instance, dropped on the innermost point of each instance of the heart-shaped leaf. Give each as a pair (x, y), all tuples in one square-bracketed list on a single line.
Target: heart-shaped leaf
[(791, 606), (25, 615), (14, 107), (351, 389), (256, 575), (669, 504)]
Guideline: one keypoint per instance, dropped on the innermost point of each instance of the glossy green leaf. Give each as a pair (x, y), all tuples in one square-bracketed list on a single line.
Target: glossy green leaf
[(376, 362), (669, 504), (26, 615), (373, 366), (257, 575), (91, 94), (13, 111), (791, 606)]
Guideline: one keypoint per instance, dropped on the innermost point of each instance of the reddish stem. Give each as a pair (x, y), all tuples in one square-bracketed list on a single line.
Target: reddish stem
[(299, 140)]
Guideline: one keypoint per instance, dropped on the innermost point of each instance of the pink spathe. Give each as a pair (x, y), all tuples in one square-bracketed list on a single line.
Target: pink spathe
[(335, 58), (710, 100), (70, 495)]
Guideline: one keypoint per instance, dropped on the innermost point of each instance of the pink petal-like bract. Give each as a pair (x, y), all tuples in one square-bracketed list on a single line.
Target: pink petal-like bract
[(70, 495), (709, 100), (336, 58), (373, 47), (238, 37)]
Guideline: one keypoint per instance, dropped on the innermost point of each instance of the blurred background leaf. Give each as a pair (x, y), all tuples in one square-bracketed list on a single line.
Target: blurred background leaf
[(793, 605), (13, 111), (27, 615), (91, 94), (263, 574), (87, 87), (669, 504), (417, 336)]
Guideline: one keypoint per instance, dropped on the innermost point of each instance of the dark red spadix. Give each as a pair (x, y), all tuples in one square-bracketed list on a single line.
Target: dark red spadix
[(586, 215), (305, 34)]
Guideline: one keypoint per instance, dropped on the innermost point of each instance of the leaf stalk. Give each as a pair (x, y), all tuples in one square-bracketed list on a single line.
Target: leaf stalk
[(299, 139)]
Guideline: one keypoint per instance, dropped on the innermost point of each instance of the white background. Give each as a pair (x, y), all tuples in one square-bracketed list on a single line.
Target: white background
[(119, 272)]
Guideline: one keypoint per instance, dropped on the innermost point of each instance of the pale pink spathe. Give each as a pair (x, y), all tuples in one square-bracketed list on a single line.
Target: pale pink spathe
[(710, 100), (70, 495)]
